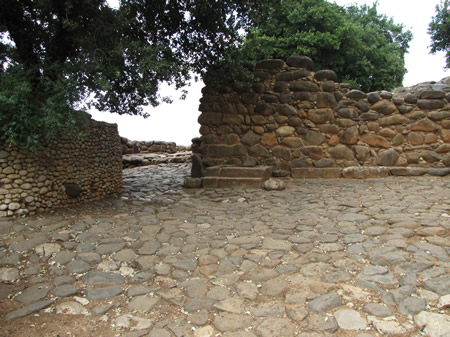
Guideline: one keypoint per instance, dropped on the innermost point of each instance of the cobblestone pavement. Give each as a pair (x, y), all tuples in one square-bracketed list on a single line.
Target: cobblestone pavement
[(321, 258)]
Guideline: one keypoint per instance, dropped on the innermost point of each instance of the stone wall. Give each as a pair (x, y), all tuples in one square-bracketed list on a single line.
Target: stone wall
[(293, 117), (66, 172), (134, 146)]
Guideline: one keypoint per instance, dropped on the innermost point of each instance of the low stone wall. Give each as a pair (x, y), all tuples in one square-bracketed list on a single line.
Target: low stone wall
[(133, 147), (293, 117), (66, 172)]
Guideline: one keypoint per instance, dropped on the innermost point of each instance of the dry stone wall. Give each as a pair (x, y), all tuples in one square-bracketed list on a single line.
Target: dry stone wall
[(66, 172), (293, 117)]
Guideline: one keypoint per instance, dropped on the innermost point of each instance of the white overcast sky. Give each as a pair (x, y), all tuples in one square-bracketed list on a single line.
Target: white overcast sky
[(177, 122)]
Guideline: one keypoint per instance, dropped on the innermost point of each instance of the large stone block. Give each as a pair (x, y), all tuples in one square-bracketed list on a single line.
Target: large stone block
[(325, 75), (314, 138), (314, 152), (350, 136), (320, 116), (385, 107), (341, 152), (423, 125), (445, 135), (325, 100), (250, 138), (387, 158), (392, 120), (258, 151), (323, 173), (273, 65), (282, 152), (210, 118), (292, 142), (224, 151), (428, 104), (375, 140), (297, 61), (304, 86)]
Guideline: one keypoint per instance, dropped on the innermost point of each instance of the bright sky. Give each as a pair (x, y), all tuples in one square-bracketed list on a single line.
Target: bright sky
[(177, 122)]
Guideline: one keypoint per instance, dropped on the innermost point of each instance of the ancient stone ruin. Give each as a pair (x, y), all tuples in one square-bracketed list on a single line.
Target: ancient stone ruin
[(66, 172), (302, 123)]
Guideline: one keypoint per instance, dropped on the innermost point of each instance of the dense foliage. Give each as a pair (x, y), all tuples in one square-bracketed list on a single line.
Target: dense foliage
[(362, 46), (57, 55), (439, 29)]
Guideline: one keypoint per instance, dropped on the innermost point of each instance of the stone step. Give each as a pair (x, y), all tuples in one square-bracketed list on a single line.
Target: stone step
[(263, 172), (232, 182)]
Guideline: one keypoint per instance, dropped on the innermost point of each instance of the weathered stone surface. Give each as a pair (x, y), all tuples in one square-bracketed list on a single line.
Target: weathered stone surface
[(423, 125), (300, 62), (320, 116), (387, 158), (375, 140), (272, 327), (350, 319), (385, 107), (29, 309), (102, 293), (325, 303), (433, 324)]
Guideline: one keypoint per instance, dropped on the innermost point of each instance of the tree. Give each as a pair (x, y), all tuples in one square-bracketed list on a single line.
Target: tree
[(362, 46), (439, 29), (59, 56)]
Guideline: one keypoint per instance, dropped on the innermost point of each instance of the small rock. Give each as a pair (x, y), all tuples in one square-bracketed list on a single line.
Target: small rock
[(274, 185), (71, 308)]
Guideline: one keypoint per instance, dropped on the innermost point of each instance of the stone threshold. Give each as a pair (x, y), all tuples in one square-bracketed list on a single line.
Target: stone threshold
[(239, 177)]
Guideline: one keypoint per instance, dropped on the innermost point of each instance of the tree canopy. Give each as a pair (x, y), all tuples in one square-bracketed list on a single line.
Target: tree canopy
[(439, 29), (57, 55), (362, 46)]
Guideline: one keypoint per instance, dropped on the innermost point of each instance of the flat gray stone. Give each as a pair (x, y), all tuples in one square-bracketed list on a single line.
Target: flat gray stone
[(90, 257), (325, 302), (143, 303), (64, 279), (65, 290), (109, 248), (98, 277), (337, 276), (231, 322), (102, 293), (29, 309), (234, 305), (64, 257), (348, 319), (34, 293), (247, 290), (395, 296), (78, 266), (439, 285), (25, 245), (5, 290), (275, 327), (376, 309), (188, 265), (411, 305), (267, 309), (322, 323), (149, 248)]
